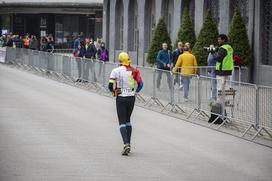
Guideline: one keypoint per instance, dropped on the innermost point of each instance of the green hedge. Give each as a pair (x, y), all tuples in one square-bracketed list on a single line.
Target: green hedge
[(208, 35), (160, 36), (238, 39), (186, 31)]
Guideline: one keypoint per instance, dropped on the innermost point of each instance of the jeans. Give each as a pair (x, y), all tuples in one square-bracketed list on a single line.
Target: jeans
[(86, 69), (186, 85), (101, 64), (79, 67), (177, 79), (169, 79), (212, 75)]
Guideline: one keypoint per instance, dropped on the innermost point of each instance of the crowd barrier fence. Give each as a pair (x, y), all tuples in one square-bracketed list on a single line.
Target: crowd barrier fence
[(246, 105)]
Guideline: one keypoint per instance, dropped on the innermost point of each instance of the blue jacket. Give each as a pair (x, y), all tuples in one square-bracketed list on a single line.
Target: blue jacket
[(75, 43), (212, 62), (176, 54), (164, 57)]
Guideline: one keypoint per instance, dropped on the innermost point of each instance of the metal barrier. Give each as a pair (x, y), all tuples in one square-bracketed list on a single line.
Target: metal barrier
[(63, 51), (247, 106), (263, 110)]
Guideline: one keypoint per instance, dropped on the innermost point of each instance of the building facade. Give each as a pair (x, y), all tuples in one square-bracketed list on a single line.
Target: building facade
[(64, 19), (128, 26)]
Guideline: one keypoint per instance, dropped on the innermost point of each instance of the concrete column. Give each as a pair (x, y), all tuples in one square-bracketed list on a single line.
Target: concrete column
[(199, 15), (112, 31), (98, 25), (251, 14), (176, 19), (105, 20), (224, 15), (158, 7), (126, 24), (257, 45), (141, 27)]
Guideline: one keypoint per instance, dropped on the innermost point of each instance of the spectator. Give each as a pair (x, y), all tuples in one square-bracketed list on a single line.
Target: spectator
[(237, 61), (212, 72), (176, 54), (50, 37), (18, 41), (188, 45), (164, 63), (102, 53), (81, 49), (76, 43), (9, 41), (98, 43), (103, 56), (188, 66), (33, 43), (43, 44), (50, 44), (1, 41), (80, 53), (90, 51), (224, 63), (26, 41)]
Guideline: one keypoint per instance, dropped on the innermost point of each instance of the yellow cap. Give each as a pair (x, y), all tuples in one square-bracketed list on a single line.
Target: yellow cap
[(124, 58)]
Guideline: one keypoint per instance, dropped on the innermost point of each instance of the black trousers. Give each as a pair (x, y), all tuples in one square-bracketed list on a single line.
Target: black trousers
[(124, 106)]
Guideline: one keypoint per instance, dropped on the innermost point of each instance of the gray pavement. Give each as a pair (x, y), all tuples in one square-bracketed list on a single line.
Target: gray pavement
[(53, 131)]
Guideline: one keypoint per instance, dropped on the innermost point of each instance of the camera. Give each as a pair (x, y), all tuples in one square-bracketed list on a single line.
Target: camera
[(211, 50)]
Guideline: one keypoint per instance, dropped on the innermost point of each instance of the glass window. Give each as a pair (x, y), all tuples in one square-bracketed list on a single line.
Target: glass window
[(5, 24), (266, 32)]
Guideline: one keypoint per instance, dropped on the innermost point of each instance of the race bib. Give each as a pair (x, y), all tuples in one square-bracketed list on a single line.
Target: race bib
[(128, 92)]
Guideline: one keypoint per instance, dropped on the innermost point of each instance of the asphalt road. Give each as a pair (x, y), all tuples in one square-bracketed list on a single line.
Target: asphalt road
[(53, 131)]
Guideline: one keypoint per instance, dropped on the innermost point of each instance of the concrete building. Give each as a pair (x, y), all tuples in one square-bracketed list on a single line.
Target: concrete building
[(128, 25), (64, 19)]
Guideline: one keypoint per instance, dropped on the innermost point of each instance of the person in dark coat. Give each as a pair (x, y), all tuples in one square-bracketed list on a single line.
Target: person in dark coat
[(90, 50), (80, 54), (89, 63), (9, 42)]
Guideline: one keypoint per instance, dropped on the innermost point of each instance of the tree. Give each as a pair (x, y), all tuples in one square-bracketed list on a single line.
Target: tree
[(238, 39), (207, 36), (160, 36), (186, 31)]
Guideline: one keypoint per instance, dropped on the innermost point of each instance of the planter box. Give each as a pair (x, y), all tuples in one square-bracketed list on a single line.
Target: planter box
[(245, 74)]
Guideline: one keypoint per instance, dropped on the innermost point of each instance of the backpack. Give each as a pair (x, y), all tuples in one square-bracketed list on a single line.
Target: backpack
[(216, 111)]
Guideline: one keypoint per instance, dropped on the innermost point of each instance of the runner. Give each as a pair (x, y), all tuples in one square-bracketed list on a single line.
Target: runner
[(122, 84)]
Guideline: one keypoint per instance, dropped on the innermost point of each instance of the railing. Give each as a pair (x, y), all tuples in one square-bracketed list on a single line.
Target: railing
[(63, 51), (248, 106)]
